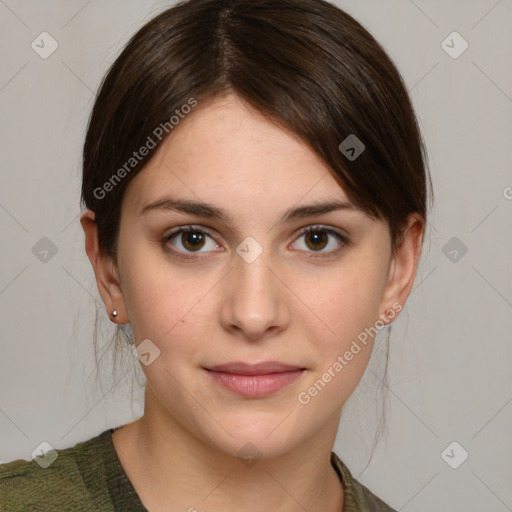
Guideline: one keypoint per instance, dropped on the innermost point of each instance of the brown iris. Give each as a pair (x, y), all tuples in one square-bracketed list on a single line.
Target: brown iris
[(192, 240), (319, 239)]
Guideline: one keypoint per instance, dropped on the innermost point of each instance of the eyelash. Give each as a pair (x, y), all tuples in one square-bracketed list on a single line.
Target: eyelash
[(345, 242)]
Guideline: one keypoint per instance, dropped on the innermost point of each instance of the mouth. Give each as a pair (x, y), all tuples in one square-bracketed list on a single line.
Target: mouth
[(264, 368), (254, 380)]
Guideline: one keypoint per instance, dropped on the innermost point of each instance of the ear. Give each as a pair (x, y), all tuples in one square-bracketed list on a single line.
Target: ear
[(403, 269), (105, 270)]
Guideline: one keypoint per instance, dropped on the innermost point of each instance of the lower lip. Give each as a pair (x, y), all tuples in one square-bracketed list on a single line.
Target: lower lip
[(255, 386)]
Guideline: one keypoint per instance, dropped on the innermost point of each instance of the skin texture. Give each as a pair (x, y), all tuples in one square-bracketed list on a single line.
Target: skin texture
[(217, 308)]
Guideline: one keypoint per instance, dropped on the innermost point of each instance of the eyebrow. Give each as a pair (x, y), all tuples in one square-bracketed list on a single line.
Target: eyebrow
[(206, 210)]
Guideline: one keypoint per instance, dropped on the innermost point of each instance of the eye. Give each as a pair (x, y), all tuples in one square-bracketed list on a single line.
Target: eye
[(317, 238), (189, 239)]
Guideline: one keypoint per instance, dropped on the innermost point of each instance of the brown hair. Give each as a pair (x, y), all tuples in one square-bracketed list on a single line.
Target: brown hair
[(305, 64)]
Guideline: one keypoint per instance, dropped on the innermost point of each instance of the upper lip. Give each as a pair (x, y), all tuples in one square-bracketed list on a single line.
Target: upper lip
[(241, 368)]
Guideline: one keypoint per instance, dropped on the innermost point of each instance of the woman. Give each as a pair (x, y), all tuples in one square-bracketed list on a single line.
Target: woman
[(256, 197)]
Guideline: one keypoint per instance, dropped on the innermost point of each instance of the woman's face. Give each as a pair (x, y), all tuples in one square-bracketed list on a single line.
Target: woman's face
[(254, 288)]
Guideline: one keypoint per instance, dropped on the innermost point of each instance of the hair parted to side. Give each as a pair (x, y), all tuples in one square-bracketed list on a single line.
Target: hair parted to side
[(305, 64)]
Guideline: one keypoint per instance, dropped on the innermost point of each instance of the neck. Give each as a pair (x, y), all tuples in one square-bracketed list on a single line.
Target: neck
[(172, 469)]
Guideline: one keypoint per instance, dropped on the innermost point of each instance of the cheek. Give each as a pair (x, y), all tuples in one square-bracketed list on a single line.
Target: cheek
[(345, 307), (344, 301), (169, 307)]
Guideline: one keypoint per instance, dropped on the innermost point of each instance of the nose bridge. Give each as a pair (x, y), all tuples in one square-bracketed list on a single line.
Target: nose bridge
[(253, 273)]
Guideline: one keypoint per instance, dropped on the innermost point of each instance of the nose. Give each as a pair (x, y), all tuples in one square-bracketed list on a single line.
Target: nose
[(255, 302)]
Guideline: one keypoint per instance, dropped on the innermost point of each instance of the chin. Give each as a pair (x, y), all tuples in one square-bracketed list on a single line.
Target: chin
[(257, 437)]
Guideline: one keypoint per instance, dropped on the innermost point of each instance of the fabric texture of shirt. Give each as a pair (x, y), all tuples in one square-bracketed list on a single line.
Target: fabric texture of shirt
[(89, 477)]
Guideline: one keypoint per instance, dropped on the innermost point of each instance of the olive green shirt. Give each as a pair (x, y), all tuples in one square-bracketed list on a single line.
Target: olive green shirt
[(89, 477)]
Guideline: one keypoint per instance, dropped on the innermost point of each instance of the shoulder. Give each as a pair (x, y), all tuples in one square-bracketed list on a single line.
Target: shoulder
[(55, 481), (358, 498)]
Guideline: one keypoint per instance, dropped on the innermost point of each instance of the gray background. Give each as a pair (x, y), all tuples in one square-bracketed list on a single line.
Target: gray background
[(450, 353)]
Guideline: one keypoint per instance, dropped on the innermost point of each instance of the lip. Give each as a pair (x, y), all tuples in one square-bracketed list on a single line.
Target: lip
[(254, 380), (242, 368)]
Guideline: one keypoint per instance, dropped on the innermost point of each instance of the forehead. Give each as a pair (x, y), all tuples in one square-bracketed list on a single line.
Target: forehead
[(227, 153)]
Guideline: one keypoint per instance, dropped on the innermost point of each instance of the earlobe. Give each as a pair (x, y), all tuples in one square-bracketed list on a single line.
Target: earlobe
[(105, 270), (403, 268)]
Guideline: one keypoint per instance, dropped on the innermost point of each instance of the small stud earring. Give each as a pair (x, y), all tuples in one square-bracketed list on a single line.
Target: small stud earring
[(114, 313)]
